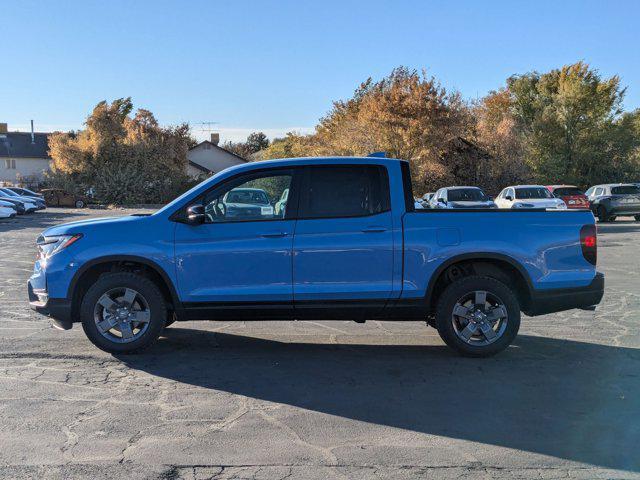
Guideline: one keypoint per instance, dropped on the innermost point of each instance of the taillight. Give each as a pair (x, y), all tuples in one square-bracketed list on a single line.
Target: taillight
[(589, 243)]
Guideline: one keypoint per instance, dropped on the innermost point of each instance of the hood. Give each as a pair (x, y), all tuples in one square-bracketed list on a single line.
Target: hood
[(540, 202), (246, 205), (84, 225), (473, 204)]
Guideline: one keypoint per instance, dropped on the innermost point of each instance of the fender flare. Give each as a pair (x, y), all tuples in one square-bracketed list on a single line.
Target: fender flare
[(478, 256), (177, 304)]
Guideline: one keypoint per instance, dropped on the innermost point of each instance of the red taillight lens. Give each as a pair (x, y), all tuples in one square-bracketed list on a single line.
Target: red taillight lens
[(589, 243)]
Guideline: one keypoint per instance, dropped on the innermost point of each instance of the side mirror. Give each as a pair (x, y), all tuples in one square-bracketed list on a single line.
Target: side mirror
[(195, 214), (509, 197), (442, 200)]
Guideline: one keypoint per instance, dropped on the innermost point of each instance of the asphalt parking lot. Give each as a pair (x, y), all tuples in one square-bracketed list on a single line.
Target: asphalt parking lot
[(321, 400)]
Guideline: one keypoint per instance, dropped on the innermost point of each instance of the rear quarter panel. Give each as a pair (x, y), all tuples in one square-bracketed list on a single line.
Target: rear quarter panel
[(545, 244)]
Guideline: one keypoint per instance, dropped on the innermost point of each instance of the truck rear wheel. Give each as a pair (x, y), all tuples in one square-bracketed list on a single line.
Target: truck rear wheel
[(478, 316), (123, 312)]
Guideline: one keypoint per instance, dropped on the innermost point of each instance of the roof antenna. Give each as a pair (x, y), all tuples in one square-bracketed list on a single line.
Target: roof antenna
[(33, 138)]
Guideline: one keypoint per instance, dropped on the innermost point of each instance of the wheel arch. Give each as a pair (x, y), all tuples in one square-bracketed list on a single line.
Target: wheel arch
[(496, 265), (97, 266)]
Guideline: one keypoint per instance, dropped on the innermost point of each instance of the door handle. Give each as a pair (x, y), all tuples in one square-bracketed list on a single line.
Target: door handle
[(273, 234), (374, 229)]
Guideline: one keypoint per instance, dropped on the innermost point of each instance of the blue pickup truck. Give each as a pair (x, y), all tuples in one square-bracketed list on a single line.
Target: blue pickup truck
[(349, 246)]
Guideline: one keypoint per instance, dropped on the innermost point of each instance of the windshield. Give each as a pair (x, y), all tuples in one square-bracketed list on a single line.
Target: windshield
[(466, 195), (625, 190), (253, 197), (532, 192), (567, 191), (9, 192)]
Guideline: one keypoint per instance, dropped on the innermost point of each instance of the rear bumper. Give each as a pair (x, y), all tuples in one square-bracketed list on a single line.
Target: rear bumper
[(58, 309), (558, 300)]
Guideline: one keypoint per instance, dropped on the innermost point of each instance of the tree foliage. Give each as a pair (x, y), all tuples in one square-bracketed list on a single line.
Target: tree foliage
[(126, 159), (570, 125), (255, 142), (564, 126), (407, 114)]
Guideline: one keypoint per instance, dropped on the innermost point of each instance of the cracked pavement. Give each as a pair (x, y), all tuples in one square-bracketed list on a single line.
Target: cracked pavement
[(321, 400)]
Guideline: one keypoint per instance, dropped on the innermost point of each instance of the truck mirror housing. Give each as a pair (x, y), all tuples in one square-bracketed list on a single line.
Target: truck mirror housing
[(195, 214)]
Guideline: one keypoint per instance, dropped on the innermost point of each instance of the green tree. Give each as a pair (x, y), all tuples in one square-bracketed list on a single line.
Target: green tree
[(570, 124)]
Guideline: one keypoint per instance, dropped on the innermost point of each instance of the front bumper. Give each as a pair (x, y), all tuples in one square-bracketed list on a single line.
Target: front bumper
[(558, 300), (58, 309)]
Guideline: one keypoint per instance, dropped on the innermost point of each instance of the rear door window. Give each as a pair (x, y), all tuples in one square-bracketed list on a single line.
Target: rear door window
[(333, 191), (625, 190)]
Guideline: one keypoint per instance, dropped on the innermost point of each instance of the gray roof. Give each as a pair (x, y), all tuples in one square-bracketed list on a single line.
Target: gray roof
[(18, 144)]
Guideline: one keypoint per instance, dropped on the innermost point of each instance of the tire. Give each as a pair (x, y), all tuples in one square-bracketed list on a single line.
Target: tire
[(603, 216), (79, 203), (502, 304), (111, 289)]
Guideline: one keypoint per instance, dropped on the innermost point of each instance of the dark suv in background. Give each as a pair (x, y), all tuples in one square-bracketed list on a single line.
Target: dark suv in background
[(611, 200)]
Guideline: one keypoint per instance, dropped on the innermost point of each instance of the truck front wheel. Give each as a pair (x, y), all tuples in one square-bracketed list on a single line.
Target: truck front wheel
[(478, 316), (123, 312)]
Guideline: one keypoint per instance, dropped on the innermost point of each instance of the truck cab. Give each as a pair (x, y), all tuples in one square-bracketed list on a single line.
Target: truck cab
[(349, 245)]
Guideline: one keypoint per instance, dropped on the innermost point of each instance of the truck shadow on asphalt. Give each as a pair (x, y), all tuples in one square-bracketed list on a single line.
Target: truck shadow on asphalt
[(618, 227), (566, 399)]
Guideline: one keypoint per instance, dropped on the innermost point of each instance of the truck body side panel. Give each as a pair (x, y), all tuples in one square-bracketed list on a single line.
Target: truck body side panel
[(545, 244)]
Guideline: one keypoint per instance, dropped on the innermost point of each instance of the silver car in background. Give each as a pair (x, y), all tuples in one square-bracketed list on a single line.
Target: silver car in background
[(529, 196)]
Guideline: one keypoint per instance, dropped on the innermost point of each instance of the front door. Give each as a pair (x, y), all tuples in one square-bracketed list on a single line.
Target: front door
[(241, 255), (343, 246)]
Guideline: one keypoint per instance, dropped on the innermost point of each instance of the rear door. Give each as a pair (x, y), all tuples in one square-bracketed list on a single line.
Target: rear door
[(343, 246)]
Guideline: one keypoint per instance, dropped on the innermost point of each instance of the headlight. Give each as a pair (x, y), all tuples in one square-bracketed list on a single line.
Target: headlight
[(49, 246)]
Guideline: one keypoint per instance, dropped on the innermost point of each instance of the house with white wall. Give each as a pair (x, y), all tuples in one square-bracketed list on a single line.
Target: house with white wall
[(24, 156), (208, 158)]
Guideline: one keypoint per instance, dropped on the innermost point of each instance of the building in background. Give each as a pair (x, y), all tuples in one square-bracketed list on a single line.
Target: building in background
[(208, 158), (24, 157)]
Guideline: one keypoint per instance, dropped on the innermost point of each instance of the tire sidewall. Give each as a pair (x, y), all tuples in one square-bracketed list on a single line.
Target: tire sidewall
[(466, 285), (144, 286), (79, 204)]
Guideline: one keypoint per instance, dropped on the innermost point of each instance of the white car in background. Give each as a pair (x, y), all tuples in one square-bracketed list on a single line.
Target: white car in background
[(529, 196), (7, 212)]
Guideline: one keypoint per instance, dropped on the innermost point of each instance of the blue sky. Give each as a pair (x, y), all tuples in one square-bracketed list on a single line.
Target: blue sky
[(278, 65)]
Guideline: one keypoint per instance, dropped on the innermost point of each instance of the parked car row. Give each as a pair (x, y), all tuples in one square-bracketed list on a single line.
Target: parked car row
[(606, 201), (19, 201)]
